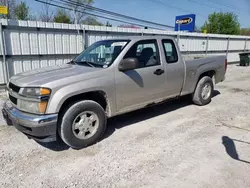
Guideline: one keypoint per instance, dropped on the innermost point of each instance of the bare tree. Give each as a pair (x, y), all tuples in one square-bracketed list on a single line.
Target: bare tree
[(47, 13), (11, 4), (76, 5)]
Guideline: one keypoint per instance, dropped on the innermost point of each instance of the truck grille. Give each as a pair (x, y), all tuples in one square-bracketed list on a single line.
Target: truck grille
[(13, 99), (14, 87)]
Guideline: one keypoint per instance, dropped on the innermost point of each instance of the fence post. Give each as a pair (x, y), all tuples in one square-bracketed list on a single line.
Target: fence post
[(5, 69), (85, 39), (207, 44), (245, 46), (228, 41)]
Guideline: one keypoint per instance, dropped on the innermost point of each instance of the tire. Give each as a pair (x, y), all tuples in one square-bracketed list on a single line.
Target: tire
[(198, 97), (66, 128)]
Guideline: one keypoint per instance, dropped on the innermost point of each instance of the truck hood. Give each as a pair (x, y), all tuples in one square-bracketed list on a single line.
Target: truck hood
[(47, 75)]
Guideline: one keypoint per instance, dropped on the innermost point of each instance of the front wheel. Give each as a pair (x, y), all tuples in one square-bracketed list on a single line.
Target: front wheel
[(83, 124), (203, 91)]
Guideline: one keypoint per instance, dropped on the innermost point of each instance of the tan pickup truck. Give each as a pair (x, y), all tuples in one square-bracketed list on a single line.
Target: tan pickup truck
[(73, 101)]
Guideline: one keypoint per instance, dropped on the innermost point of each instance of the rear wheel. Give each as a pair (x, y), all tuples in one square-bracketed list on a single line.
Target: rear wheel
[(203, 91), (83, 124)]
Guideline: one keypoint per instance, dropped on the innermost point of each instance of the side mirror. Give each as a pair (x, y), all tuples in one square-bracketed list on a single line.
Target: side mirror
[(128, 64)]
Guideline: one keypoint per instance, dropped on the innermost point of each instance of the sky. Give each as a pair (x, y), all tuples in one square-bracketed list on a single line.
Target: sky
[(164, 11)]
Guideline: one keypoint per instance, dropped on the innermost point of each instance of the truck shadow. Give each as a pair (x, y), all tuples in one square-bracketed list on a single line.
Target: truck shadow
[(54, 146), (127, 119)]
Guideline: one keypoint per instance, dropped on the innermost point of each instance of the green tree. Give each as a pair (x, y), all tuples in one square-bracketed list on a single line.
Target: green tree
[(245, 31), (62, 17), (22, 11), (222, 23), (92, 21)]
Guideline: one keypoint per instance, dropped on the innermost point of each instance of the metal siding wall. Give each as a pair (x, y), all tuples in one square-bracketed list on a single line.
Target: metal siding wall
[(2, 71), (58, 43), (216, 44), (65, 43), (236, 44), (233, 57), (248, 45), (25, 47), (42, 42), (52, 43), (192, 44), (12, 41), (34, 45)]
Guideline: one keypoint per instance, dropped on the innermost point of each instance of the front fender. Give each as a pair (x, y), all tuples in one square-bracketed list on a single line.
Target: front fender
[(59, 96)]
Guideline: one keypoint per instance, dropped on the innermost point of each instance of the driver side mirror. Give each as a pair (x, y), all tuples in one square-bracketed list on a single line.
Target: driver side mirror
[(128, 64)]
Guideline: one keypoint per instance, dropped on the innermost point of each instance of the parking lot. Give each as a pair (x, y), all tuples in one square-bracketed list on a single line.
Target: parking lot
[(175, 144)]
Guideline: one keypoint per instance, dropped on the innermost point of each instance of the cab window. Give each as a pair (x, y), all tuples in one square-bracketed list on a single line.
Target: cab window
[(170, 51), (146, 52)]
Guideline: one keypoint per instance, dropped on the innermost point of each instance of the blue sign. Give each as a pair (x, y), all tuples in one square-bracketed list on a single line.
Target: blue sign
[(185, 23)]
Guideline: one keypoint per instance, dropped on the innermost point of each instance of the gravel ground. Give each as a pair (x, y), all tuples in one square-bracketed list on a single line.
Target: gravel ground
[(175, 144)]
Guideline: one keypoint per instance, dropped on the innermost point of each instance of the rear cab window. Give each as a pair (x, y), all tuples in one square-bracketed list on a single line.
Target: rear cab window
[(170, 51)]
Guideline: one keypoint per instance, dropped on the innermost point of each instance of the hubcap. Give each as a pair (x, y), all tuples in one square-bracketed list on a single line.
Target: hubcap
[(206, 91), (85, 125)]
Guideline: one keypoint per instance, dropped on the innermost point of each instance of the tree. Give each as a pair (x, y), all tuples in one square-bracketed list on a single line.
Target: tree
[(46, 14), (78, 9), (22, 11), (222, 23), (245, 31), (91, 21), (62, 17), (11, 4)]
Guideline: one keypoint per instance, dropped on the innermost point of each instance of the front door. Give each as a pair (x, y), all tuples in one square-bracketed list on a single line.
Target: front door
[(145, 84)]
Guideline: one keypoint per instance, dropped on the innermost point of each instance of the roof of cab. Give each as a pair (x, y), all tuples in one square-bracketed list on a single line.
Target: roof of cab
[(142, 37)]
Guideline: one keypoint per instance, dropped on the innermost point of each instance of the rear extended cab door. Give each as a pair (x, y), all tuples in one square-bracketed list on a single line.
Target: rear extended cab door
[(174, 67)]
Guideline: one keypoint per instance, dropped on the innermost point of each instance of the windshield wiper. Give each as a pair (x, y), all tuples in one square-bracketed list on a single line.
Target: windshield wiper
[(87, 62), (72, 62)]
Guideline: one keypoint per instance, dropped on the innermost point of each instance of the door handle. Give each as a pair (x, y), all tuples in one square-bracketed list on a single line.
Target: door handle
[(159, 72)]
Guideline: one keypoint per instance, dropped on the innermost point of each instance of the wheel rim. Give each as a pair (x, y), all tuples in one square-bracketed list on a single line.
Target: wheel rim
[(206, 91), (85, 125)]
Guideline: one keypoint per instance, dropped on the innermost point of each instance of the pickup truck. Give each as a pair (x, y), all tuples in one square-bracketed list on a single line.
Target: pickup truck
[(72, 102)]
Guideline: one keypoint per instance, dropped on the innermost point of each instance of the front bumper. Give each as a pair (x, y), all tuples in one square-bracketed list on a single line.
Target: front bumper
[(38, 127)]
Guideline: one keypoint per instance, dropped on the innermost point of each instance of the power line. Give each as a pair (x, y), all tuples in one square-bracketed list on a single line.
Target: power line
[(63, 6), (175, 7), (203, 4), (91, 8), (225, 5), (219, 4)]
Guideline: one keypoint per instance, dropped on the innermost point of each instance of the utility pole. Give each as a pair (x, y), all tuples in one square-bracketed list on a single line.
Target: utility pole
[(75, 16)]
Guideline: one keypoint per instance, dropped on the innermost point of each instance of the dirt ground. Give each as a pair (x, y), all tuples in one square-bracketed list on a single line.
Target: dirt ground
[(175, 144)]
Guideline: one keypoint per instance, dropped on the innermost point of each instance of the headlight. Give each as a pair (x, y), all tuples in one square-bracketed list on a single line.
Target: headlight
[(32, 107), (34, 91), (33, 100)]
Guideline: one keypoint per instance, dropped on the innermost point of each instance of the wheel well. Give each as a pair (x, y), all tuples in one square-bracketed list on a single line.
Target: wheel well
[(210, 74), (98, 96)]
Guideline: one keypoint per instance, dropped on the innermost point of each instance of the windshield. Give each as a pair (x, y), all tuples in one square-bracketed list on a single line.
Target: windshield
[(101, 54)]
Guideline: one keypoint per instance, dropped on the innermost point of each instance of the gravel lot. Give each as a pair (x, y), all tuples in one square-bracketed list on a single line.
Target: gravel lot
[(175, 144)]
